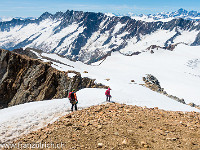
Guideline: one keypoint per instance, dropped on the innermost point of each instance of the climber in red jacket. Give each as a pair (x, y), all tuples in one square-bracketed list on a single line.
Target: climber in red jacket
[(108, 96)]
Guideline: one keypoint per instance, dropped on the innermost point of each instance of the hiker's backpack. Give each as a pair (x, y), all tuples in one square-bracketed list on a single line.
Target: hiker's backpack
[(72, 96)]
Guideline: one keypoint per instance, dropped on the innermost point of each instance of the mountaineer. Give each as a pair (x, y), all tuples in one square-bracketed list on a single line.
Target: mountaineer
[(108, 96), (73, 99)]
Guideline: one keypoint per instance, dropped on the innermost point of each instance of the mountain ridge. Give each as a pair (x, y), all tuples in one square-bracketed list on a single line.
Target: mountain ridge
[(89, 36), (165, 16)]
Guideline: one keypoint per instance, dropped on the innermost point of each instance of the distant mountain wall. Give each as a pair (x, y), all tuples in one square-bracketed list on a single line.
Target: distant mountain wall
[(88, 36), (23, 79)]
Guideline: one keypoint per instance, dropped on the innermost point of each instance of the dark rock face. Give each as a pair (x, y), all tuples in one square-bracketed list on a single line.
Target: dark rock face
[(23, 79), (27, 52)]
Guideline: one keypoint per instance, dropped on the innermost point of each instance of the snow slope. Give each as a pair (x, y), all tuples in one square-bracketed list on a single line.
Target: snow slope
[(178, 72), (22, 119), (18, 120)]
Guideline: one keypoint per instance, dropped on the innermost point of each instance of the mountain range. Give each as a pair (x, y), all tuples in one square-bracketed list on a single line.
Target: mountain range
[(89, 36), (166, 16), (4, 19)]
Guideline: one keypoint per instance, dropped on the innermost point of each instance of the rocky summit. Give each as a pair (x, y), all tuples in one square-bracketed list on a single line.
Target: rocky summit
[(119, 126)]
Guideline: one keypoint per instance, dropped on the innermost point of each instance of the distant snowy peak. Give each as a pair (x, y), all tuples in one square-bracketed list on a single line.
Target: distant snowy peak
[(5, 19), (167, 16), (110, 14), (25, 18)]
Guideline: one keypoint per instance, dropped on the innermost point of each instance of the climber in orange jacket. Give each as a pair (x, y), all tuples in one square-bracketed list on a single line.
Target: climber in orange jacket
[(73, 99)]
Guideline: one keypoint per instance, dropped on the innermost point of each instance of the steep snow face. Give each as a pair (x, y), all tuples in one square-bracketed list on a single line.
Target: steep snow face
[(26, 34), (186, 37), (48, 40), (88, 37), (103, 42), (147, 40)]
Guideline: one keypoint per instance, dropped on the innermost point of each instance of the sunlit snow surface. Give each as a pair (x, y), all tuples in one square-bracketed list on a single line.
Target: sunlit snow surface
[(178, 72)]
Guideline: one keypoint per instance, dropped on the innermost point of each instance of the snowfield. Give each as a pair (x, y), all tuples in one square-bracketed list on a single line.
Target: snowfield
[(178, 72), (18, 120)]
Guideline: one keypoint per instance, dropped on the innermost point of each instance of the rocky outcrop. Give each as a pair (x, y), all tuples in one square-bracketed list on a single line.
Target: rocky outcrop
[(152, 83), (23, 79), (118, 126), (28, 52), (169, 47)]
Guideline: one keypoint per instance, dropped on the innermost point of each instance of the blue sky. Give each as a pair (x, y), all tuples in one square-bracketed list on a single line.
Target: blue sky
[(34, 8)]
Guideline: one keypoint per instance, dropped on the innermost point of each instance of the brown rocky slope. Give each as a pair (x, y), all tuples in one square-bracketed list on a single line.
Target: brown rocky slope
[(23, 79), (118, 126)]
